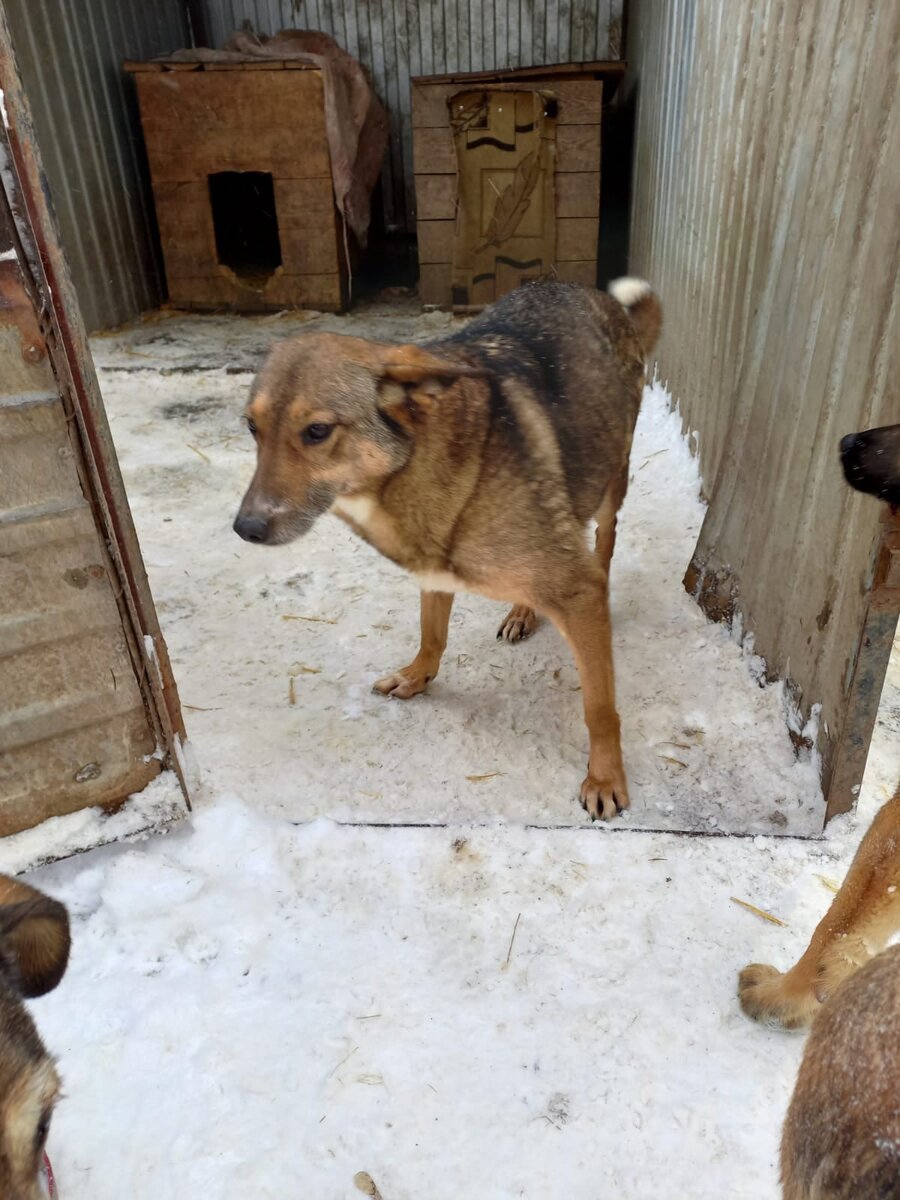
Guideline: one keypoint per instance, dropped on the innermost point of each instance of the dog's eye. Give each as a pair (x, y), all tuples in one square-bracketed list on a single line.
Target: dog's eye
[(251, 425), (317, 432)]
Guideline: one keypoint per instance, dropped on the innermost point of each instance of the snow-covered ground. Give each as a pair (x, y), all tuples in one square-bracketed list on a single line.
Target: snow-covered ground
[(504, 1003)]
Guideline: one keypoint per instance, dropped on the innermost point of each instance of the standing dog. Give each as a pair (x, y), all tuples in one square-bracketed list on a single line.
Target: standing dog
[(34, 952), (474, 462), (841, 1139)]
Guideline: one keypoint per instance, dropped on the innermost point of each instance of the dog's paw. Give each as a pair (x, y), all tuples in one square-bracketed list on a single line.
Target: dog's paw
[(407, 682), (519, 623), (604, 798), (773, 998)]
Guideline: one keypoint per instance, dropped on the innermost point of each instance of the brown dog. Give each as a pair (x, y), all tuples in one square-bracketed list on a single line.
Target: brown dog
[(34, 952), (866, 911), (862, 917), (841, 1139), (475, 462)]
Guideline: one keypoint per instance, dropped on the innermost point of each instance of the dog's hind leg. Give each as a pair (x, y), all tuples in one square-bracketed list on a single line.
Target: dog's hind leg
[(862, 917), (583, 619), (607, 516), (519, 623), (435, 621)]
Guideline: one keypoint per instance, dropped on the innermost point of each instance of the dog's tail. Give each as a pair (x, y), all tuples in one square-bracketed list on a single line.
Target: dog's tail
[(642, 304)]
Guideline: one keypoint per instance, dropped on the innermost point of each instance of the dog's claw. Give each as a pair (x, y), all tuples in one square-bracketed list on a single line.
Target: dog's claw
[(519, 623), (402, 685), (603, 800)]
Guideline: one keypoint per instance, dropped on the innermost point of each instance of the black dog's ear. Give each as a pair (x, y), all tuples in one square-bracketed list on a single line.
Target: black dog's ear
[(34, 936)]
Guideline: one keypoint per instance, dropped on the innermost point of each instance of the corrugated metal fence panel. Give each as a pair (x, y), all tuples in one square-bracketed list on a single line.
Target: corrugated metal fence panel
[(397, 39), (765, 210), (85, 114)]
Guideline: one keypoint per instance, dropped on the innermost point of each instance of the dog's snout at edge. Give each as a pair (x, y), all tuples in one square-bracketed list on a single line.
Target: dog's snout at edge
[(871, 462)]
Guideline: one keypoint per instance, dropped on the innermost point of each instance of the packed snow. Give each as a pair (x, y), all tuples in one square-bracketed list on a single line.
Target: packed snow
[(154, 810), (293, 986)]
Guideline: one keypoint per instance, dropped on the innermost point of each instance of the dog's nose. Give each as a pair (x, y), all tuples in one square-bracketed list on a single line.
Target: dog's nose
[(251, 529), (847, 443)]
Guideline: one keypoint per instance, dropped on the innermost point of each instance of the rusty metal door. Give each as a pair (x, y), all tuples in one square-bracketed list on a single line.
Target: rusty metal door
[(88, 707)]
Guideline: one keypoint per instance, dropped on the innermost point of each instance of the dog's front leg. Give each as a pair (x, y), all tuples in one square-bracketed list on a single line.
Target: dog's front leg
[(435, 620), (584, 621), (861, 919)]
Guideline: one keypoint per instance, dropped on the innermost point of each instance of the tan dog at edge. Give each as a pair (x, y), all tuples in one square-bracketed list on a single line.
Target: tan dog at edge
[(841, 1139), (34, 952), (475, 462)]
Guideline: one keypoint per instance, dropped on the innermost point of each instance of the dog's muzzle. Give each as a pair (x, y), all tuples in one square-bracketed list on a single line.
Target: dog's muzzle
[(252, 529)]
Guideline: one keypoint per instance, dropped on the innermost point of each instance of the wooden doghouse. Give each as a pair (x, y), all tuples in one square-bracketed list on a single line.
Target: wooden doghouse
[(527, 200), (242, 184)]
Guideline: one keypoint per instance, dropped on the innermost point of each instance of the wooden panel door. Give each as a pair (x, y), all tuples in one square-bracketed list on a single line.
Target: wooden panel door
[(505, 232)]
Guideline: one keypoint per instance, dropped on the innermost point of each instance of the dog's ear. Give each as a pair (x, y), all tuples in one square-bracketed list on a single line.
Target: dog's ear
[(416, 364), (34, 936), (419, 377)]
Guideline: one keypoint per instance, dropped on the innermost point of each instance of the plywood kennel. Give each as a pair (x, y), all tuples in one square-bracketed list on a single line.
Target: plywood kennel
[(242, 184)]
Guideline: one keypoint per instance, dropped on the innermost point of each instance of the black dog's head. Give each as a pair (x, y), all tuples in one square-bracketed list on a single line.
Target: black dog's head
[(871, 462)]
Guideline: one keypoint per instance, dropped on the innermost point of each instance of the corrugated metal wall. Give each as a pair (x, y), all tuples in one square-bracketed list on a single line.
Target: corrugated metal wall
[(397, 39), (766, 188), (70, 56)]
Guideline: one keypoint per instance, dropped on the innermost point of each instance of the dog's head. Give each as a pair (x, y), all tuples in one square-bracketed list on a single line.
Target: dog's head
[(871, 462), (333, 416), (34, 951)]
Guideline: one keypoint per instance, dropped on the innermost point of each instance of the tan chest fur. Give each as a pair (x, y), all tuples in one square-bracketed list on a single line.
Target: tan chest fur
[(367, 518)]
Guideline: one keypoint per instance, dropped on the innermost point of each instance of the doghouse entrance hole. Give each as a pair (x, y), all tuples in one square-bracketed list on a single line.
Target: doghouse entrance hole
[(245, 221)]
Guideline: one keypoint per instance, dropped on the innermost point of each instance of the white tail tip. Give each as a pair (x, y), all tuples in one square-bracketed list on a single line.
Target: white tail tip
[(628, 290)]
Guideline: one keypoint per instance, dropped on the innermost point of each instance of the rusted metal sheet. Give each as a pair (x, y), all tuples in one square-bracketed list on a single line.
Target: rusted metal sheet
[(765, 211), (17, 310), (88, 707), (400, 39)]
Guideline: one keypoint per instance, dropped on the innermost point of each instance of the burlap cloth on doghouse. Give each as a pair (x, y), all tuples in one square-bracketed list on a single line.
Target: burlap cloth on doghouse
[(356, 123)]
